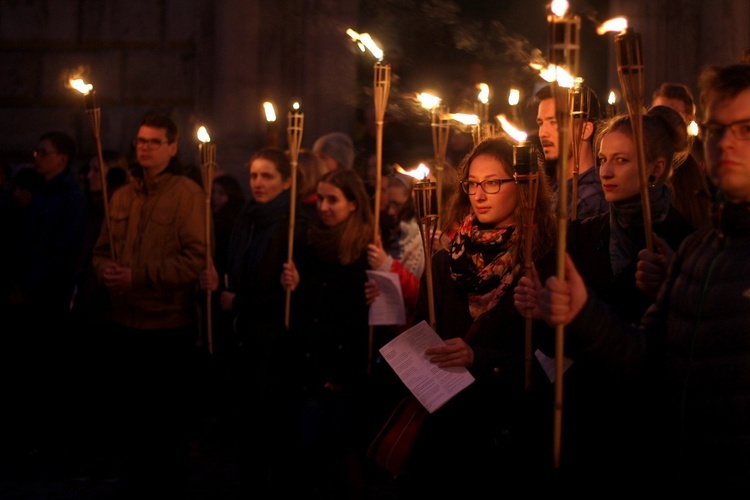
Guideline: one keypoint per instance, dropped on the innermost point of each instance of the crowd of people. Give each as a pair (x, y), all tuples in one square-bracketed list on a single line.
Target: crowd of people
[(108, 277)]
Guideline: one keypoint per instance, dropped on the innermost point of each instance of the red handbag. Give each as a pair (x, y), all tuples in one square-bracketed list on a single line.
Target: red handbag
[(393, 445)]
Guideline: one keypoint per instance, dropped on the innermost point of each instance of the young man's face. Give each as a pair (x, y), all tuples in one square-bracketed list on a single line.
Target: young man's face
[(153, 149), (546, 120), (728, 157)]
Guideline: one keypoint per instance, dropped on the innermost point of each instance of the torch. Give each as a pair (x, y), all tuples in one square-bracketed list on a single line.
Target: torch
[(564, 39), (440, 133), (579, 115), (294, 128), (630, 71), (207, 152), (424, 196), (272, 132), (381, 87), (526, 175), (95, 119)]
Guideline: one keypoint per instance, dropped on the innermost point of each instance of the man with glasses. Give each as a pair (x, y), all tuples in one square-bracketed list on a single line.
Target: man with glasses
[(693, 342), (42, 281), (158, 230)]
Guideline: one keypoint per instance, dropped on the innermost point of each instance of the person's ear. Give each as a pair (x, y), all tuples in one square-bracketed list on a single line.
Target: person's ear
[(660, 165), (588, 130)]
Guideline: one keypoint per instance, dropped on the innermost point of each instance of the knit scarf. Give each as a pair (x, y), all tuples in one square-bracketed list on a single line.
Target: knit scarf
[(484, 262), (627, 233)]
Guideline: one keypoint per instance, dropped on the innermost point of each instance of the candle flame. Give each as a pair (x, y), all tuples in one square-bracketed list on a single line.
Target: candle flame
[(615, 24), (559, 7), (693, 128), (270, 111), (80, 86), (484, 93), (516, 134), (365, 41), (612, 99), (464, 118), (420, 173), (555, 73), (203, 134), (514, 97), (429, 101)]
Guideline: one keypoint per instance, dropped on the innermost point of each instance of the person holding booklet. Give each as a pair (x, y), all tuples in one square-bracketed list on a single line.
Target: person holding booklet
[(490, 435)]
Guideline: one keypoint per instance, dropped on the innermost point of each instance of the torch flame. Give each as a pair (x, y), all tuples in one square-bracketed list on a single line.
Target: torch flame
[(428, 101), (552, 73), (203, 134), (514, 97), (419, 173), (464, 118), (270, 111), (612, 99), (80, 86), (615, 24), (559, 7), (484, 93), (365, 41), (511, 130), (693, 128)]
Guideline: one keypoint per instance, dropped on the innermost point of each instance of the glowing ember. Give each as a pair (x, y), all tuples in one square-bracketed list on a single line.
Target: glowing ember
[(364, 41), (559, 7), (464, 118), (203, 134), (484, 93), (514, 97), (615, 24), (419, 173), (80, 86), (270, 111), (555, 73), (428, 101), (693, 128), (511, 130)]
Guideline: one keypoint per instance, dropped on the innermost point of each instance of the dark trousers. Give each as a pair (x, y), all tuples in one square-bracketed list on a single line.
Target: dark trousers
[(154, 381)]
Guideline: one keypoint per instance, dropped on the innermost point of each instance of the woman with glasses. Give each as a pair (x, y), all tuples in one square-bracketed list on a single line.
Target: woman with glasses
[(486, 437), (606, 423)]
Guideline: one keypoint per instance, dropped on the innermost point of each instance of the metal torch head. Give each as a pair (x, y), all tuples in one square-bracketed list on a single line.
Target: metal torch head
[(524, 160), (628, 51), (424, 196)]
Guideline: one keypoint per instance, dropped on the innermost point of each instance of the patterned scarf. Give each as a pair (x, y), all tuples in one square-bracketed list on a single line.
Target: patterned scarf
[(484, 263)]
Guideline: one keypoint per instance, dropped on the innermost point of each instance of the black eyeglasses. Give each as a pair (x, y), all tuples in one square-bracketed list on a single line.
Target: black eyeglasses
[(713, 131), (42, 152), (148, 144), (490, 186)]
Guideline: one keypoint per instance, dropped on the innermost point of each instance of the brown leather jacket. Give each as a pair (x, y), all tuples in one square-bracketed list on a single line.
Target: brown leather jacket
[(158, 229)]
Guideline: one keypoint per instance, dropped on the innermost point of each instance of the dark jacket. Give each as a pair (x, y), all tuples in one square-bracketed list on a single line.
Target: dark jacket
[(607, 418), (693, 343), (494, 431)]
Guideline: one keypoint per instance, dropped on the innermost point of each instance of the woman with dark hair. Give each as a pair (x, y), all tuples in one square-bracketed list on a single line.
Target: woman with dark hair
[(330, 322), (252, 295), (488, 435)]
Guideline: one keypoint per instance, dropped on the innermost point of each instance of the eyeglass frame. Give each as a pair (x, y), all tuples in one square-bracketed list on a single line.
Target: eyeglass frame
[(149, 144), (710, 131), (466, 185), (42, 152)]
